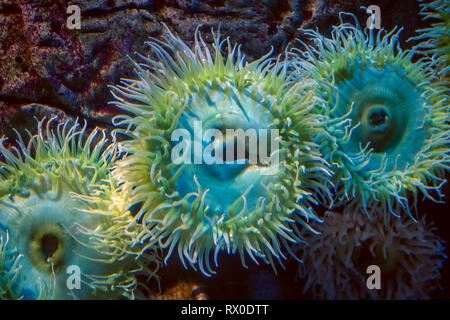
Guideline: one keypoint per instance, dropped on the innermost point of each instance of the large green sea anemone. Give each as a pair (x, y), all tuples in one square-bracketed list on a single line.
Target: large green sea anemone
[(387, 131), (199, 208)]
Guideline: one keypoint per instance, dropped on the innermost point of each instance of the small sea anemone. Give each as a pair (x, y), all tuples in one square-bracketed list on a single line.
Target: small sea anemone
[(409, 256), (387, 131), (199, 208), (54, 193), (437, 37)]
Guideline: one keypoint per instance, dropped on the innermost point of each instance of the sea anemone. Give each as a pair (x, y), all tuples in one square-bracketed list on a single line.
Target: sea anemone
[(409, 255), (58, 211), (437, 37), (387, 131), (199, 207)]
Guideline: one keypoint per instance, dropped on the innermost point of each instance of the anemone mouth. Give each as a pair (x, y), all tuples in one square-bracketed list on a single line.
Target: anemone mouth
[(379, 128), (378, 118), (47, 248)]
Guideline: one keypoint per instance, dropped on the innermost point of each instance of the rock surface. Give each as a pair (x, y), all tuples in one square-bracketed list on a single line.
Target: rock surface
[(43, 62)]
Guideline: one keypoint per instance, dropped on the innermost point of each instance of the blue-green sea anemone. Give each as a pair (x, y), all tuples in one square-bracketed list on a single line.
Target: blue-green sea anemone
[(58, 209), (410, 257), (387, 131), (437, 37), (200, 209)]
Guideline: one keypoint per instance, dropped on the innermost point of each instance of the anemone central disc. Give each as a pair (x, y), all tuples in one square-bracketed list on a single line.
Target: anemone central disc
[(240, 135), (389, 113)]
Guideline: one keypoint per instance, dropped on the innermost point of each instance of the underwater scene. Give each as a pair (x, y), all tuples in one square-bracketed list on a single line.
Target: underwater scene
[(224, 150)]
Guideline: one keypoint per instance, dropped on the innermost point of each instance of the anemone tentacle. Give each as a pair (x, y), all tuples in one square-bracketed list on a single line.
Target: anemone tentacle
[(11, 280), (57, 207), (437, 37), (387, 118), (199, 210)]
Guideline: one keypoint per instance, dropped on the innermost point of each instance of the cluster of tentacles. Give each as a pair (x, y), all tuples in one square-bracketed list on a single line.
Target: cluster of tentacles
[(222, 156), (64, 231), (436, 39)]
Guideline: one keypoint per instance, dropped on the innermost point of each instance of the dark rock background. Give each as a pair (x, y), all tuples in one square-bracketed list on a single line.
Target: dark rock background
[(47, 69), (43, 62)]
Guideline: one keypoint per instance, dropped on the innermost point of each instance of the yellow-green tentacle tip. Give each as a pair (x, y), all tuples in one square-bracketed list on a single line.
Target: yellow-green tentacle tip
[(199, 209), (387, 118), (55, 189), (356, 257)]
